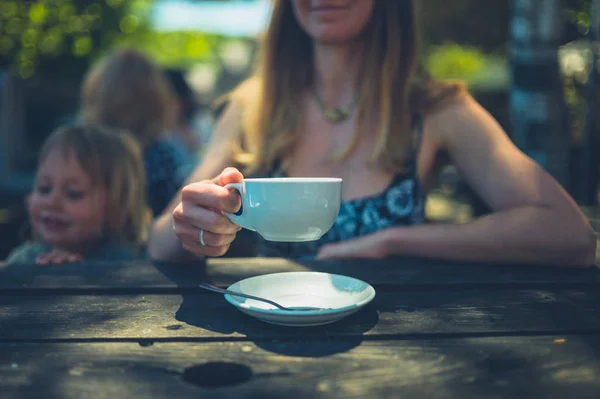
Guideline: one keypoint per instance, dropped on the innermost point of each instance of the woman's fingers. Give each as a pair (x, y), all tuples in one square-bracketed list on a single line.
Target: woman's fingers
[(199, 250), (217, 231), (228, 175), (188, 215), (208, 195), (214, 244), (198, 219), (191, 235)]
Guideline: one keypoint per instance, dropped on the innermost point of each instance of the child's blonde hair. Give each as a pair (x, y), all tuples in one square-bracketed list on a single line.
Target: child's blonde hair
[(112, 159), (127, 90)]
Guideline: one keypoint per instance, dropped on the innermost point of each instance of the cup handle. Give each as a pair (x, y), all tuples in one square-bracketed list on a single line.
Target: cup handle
[(240, 219)]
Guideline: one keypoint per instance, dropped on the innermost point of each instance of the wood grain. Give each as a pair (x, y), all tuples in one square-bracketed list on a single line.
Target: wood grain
[(515, 367), (146, 277), (209, 317)]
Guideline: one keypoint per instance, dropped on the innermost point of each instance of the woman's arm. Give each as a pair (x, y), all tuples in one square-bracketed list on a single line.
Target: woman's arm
[(163, 244), (533, 220), (519, 235)]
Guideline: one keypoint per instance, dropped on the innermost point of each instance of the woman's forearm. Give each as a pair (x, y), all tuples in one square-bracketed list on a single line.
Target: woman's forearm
[(163, 244), (521, 235)]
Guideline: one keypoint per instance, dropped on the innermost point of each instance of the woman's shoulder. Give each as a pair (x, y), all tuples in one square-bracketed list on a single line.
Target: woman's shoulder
[(246, 90), (454, 113), (27, 252), (239, 97), (461, 124)]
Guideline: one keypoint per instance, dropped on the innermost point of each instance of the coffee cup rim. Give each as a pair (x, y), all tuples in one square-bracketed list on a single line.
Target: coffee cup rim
[(293, 180)]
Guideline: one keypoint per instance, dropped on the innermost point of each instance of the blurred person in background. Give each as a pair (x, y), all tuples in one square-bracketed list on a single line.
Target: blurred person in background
[(184, 134), (126, 90), (88, 199)]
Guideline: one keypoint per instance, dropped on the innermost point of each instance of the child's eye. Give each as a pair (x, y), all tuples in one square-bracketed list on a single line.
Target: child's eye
[(43, 189), (74, 194)]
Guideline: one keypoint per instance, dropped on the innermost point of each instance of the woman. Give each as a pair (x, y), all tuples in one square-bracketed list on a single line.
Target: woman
[(128, 91), (338, 93)]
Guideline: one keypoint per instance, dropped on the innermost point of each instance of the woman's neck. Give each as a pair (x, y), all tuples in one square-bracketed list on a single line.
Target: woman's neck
[(337, 72)]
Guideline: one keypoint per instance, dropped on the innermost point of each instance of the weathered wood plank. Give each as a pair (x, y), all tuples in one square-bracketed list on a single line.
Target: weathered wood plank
[(512, 367), (99, 275), (147, 277), (209, 317), (407, 271)]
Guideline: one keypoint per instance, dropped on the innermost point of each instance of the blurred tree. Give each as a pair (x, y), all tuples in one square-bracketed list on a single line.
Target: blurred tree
[(580, 69), (578, 19), (453, 61), (59, 37)]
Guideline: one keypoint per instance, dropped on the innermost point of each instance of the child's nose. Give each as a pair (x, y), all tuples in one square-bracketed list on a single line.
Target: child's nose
[(53, 199)]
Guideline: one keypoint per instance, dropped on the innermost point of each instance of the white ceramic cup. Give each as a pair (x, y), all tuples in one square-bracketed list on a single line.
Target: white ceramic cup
[(288, 209)]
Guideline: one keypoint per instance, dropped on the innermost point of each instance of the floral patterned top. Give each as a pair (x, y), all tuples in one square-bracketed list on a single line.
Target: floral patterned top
[(402, 203)]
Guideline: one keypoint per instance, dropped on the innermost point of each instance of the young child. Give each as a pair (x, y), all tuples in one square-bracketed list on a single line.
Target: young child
[(88, 201)]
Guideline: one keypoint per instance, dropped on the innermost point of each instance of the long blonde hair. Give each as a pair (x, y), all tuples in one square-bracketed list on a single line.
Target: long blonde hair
[(127, 90), (392, 83), (113, 160)]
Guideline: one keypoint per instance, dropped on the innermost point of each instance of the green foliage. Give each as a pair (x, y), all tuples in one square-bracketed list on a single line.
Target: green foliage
[(575, 82), (453, 61), (578, 13), (175, 48), (62, 35)]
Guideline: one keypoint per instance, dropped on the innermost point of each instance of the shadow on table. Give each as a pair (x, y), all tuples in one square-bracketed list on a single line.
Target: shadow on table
[(219, 316), (223, 318)]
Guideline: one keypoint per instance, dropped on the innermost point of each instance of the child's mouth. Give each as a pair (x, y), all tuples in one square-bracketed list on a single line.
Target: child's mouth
[(54, 223)]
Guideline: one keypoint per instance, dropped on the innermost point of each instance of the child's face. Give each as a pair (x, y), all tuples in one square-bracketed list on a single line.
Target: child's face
[(65, 209)]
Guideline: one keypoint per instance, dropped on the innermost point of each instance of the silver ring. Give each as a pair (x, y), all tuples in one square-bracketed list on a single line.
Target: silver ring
[(201, 238)]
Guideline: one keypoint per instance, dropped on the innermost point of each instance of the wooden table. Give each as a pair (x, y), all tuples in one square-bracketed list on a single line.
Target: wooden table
[(434, 330)]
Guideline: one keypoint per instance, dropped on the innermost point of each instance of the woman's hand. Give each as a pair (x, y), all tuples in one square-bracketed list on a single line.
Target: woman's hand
[(372, 246), (57, 257), (198, 219)]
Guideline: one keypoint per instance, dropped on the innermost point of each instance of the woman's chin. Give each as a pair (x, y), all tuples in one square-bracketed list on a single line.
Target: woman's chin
[(334, 37)]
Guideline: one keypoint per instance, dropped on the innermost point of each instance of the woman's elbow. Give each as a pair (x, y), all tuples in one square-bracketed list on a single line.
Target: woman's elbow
[(157, 245), (583, 247), (154, 253), (153, 248)]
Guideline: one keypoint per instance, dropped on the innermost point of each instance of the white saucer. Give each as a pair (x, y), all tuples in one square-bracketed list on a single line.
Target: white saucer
[(339, 295)]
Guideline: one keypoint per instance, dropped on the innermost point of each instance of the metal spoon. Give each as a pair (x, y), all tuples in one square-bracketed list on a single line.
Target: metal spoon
[(210, 287)]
